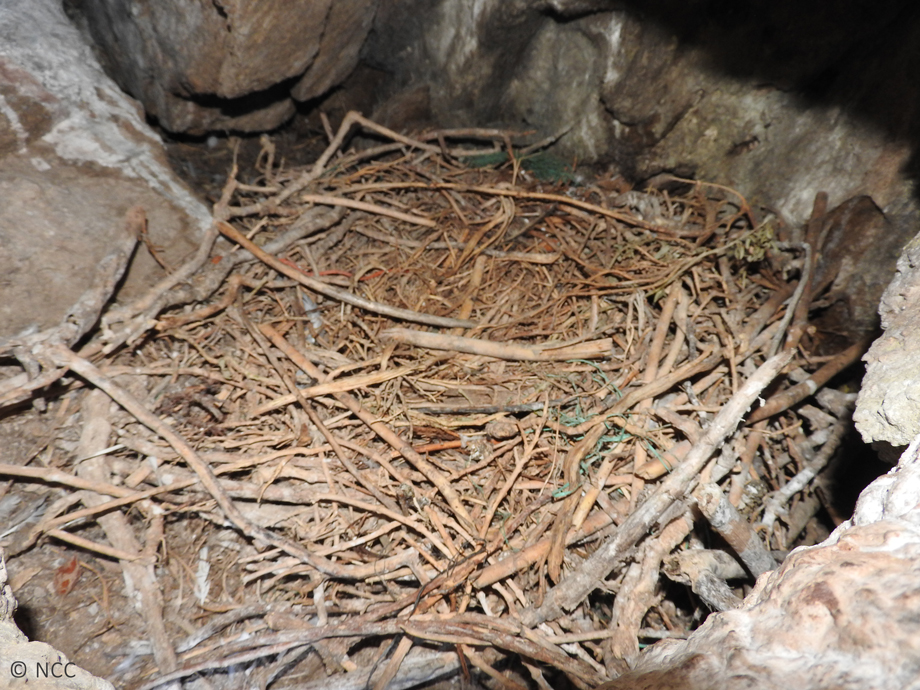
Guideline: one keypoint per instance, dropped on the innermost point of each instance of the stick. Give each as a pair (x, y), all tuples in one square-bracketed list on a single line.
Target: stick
[(325, 200), (573, 589), (342, 385), (704, 362), (381, 429), (333, 292), (546, 352), (783, 401), (735, 529)]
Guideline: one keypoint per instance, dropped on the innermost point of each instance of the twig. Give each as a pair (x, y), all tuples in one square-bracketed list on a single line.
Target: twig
[(519, 560), (349, 383), (639, 588), (325, 200), (197, 279), (93, 439), (92, 546), (735, 529), (706, 572), (579, 584), (794, 301), (315, 418), (509, 482), (783, 401), (547, 352), (333, 292), (381, 429), (352, 118), (812, 254), (704, 362)]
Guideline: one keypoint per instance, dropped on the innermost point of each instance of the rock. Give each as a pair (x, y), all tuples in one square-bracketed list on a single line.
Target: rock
[(888, 407), (635, 94), (75, 155), (855, 263), (35, 665), (837, 615), (227, 65), (339, 48)]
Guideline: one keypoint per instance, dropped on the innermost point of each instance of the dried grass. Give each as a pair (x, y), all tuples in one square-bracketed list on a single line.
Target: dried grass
[(396, 486)]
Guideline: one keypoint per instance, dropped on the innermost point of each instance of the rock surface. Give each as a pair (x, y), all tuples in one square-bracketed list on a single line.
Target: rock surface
[(632, 93), (888, 408), (842, 614), (75, 155), (35, 665), (228, 65), (758, 100)]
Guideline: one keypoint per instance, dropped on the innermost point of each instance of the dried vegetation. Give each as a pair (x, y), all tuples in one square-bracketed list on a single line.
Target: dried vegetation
[(439, 418)]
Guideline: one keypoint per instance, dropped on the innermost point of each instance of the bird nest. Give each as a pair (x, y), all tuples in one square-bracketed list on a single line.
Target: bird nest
[(421, 412)]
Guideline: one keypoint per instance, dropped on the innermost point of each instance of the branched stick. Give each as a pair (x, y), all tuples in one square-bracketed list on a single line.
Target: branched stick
[(65, 358), (333, 292), (573, 589)]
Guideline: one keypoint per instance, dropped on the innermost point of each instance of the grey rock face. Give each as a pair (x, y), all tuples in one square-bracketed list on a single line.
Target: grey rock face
[(631, 93), (75, 155), (229, 65), (888, 408)]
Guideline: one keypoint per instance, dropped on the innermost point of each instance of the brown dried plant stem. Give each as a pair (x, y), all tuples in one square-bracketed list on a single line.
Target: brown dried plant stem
[(88, 371), (421, 464), (546, 352), (316, 420), (573, 589), (704, 362), (734, 528), (783, 401)]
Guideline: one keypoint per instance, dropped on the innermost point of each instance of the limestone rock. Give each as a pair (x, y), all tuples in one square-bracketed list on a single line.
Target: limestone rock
[(838, 615), (227, 65), (339, 48), (888, 408), (644, 97), (75, 155)]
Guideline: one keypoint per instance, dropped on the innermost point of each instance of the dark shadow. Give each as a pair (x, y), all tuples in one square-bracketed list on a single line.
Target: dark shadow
[(854, 467), (251, 102), (232, 108), (861, 56), (26, 622)]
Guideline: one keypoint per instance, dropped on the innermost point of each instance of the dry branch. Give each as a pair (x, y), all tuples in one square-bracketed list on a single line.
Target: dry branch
[(598, 337), (591, 574)]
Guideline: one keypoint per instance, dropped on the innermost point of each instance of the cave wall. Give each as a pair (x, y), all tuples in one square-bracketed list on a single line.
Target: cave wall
[(638, 94), (227, 65), (777, 100), (75, 157)]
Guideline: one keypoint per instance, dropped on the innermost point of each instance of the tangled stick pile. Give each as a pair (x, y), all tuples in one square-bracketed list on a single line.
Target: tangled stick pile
[(455, 417)]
